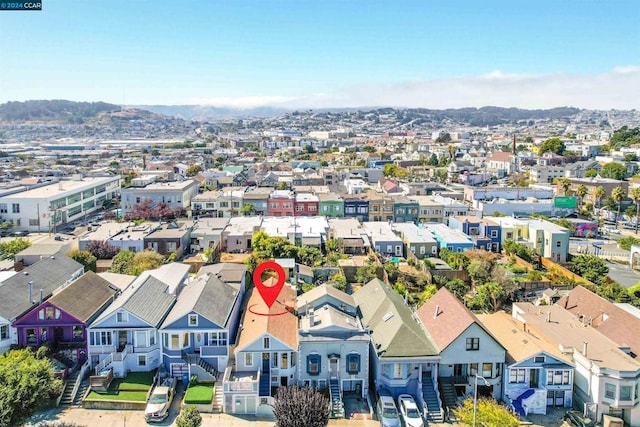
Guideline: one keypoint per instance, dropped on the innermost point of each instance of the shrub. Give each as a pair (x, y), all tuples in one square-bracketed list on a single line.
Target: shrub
[(189, 417)]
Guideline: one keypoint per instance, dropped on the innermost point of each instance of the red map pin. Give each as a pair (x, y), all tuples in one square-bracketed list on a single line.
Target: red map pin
[(269, 293)]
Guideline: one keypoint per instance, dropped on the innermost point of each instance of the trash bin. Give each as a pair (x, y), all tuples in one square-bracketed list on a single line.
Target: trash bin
[(185, 379)]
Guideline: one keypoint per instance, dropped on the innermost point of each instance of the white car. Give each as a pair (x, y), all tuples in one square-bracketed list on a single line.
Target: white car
[(409, 411)]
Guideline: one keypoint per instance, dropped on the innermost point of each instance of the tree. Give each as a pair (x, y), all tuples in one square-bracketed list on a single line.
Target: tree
[(591, 173), (553, 145), (143, 261), (389, 170), (101, 249), (121, 262), (9, 249), (599, 194), (635, 196), (443, 139), (85, 258), (366, 273), (488, 413), (189, 417), (369, 149), (581, 191), (591, 267), (458, 287), (490, 296), (296, 406), (565, 184), (433, 160), (618, 195), (26, 382), (631, 157), (248, 209), (614, 170), (624, 137), (614, 292), (339, 282), (282, 185), (193, 170)]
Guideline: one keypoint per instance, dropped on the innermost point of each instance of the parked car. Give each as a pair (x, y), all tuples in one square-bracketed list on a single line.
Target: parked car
[(576, 418), (160, 400), (409, 411), (387, 411)]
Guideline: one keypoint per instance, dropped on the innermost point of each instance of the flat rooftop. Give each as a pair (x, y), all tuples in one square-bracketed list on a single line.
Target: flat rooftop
[(60, 188)]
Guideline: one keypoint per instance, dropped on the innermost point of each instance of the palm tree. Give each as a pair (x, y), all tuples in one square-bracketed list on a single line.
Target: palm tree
[(452, 151), (565, 184), (581, 191), (618, 194), (635, 195), (599, 193)]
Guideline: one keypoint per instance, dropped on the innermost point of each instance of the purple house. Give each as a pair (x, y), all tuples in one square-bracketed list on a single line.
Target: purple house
[(62, 319)]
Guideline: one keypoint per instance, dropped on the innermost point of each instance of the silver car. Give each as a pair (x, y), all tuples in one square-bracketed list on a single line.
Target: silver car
[(387, 412), (160, 400)]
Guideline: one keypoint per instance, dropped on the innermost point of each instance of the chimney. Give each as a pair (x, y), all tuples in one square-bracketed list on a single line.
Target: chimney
[(548, 316), (513, 145), (584, 348), (524, 326), (435, 314), (41, 293), (30, 291), (312, 317)]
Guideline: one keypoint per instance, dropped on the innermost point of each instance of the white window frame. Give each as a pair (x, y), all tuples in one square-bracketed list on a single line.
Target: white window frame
[(193, 320), (248, 359), (121, 317)]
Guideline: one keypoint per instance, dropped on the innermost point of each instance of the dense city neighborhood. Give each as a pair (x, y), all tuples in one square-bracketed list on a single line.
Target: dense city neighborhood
[(441, 259)]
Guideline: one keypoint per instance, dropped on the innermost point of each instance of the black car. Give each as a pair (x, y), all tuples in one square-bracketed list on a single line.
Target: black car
[(577, 419)]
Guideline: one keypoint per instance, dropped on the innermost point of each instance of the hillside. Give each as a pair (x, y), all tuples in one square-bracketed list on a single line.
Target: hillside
[(56, 110)]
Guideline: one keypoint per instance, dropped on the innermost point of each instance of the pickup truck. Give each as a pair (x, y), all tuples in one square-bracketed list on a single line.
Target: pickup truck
[(160, 400)]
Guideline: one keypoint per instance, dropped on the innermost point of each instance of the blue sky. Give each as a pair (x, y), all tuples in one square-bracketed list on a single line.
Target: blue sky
[(326, 53)]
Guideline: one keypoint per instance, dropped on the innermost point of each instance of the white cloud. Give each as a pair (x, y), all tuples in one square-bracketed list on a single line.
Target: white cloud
[(618, 88)]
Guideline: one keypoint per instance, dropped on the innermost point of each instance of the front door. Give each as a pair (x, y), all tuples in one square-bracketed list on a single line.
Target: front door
[(122, 340), (58, 334), (333, 368), (198, 341), (533, 379), (265, 362)]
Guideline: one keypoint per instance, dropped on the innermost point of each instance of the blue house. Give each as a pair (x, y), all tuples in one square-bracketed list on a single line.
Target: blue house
[(201, 325), (485, 233), (356, 206), (405, 210), (454, 240)]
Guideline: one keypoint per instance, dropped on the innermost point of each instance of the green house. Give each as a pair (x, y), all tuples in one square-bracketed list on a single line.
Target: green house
[(331, 205)]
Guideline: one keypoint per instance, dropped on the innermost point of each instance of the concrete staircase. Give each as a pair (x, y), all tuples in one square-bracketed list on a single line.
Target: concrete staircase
[(430, 396), (448, 394), (67, 394), (218, 397), (337, 406)]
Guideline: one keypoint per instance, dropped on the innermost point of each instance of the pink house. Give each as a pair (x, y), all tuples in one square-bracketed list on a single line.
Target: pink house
[(281, 203), (306, 204)]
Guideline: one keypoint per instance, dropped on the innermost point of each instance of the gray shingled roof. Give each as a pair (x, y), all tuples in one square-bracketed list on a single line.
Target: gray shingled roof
[(84, 297), (209, 296), (47, 274), (150, 301), (394, 332)]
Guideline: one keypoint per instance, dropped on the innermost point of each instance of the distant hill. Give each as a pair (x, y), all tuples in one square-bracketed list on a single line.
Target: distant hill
[(475, 116), (56, 110)]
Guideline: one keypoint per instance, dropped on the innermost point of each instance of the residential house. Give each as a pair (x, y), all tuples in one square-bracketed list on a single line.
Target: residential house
[(171, 237), (306, 204), (549, 240), (201, 326), (606, 378), (206, 203), (331, 205), (579, 169), (466, 348), (380, 206), (125, 338), (429, 210), (333, 345), (418, 241), (259, 198), (177, 194), (546, 174), (455, 241), (311, 231), (236, 237), (512, 229), (281, 203), (403, 358), (351, 235), (390, 188), (356, 206), (383, 239), (61, 320), (501, 163), (405, 210), (207, 234), (280, 226), (25, 290), (230, 201), (458, 167), (266, 354), (608, 318), (485, 233), (537, 374)]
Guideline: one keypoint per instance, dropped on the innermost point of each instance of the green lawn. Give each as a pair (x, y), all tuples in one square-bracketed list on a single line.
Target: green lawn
[(141, 381), (199, 394), (135, 396)]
